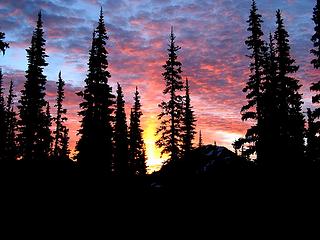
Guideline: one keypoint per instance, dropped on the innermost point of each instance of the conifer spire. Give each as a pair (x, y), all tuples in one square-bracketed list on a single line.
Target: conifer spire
[(95, 148), (188, 124), (61, 138), (171, 115), (121, 163), (137, 154), (34, 129), (11, 150)]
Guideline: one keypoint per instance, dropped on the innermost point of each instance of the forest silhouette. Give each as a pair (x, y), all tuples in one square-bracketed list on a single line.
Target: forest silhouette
[(34, 138)]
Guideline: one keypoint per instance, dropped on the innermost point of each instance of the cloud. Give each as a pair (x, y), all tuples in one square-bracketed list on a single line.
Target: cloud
[(211, 34)]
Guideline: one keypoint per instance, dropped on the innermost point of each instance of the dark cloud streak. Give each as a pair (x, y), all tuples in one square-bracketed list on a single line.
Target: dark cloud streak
[(211, 34)]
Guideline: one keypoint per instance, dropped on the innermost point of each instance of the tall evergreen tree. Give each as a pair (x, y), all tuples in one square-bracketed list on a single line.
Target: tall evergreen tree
[(200, 144), (313, 147), (65, 150), (132, 143), (11, 150), (188, 124), (270, 128), (85, 132), (252, 111), (33, 124), (61, 138), (121, 162), (137, 155), (49, 139), (170, 140), (3, 45), (313, 151), (95, 144), (3, 127), (142, 163), (316, 36), (290, 100)]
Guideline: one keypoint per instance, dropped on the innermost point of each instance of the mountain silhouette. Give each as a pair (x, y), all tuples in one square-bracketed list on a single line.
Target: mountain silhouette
[(205, 161)]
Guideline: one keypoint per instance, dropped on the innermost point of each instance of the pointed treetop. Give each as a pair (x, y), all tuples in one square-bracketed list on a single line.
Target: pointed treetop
[(271, 45), (119, 90), (101, 31), (200, 139), (254, 5), (172, 36), (172, 33), (187, 87), (60, 74), (39, 22), (279, 13), (101, 18), (101, 11)]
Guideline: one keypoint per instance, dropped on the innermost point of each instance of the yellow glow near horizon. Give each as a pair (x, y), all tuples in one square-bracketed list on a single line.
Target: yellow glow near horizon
[(153, 153), (227, 138)]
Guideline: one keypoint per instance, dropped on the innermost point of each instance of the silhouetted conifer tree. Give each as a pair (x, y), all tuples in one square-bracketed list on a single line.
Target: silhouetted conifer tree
[(252, 111), (188, 127), (313, 149), (270, 128), (65, 151), (49, 140), (95, 144), (137, 156), (61, 138), (242, 145), (11, 150), (3, 45), (316, 36), (171, 116), (33, 124), (132, 142), (200, 140), (142, 163), (290, 100), (121, 155), (3, 126)]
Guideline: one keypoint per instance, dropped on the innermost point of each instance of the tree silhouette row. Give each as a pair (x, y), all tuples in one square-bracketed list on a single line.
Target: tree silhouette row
[(106, 145), (274, 102)]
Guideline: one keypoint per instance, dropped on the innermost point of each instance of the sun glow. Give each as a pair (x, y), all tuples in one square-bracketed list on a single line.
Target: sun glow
[(227, 138), (153, 153)]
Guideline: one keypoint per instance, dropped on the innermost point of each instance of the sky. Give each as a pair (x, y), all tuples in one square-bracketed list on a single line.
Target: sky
[(211, 34)]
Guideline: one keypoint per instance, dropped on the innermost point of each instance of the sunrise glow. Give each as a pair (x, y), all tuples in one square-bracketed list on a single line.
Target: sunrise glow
[(213, 55), (153, 153)]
